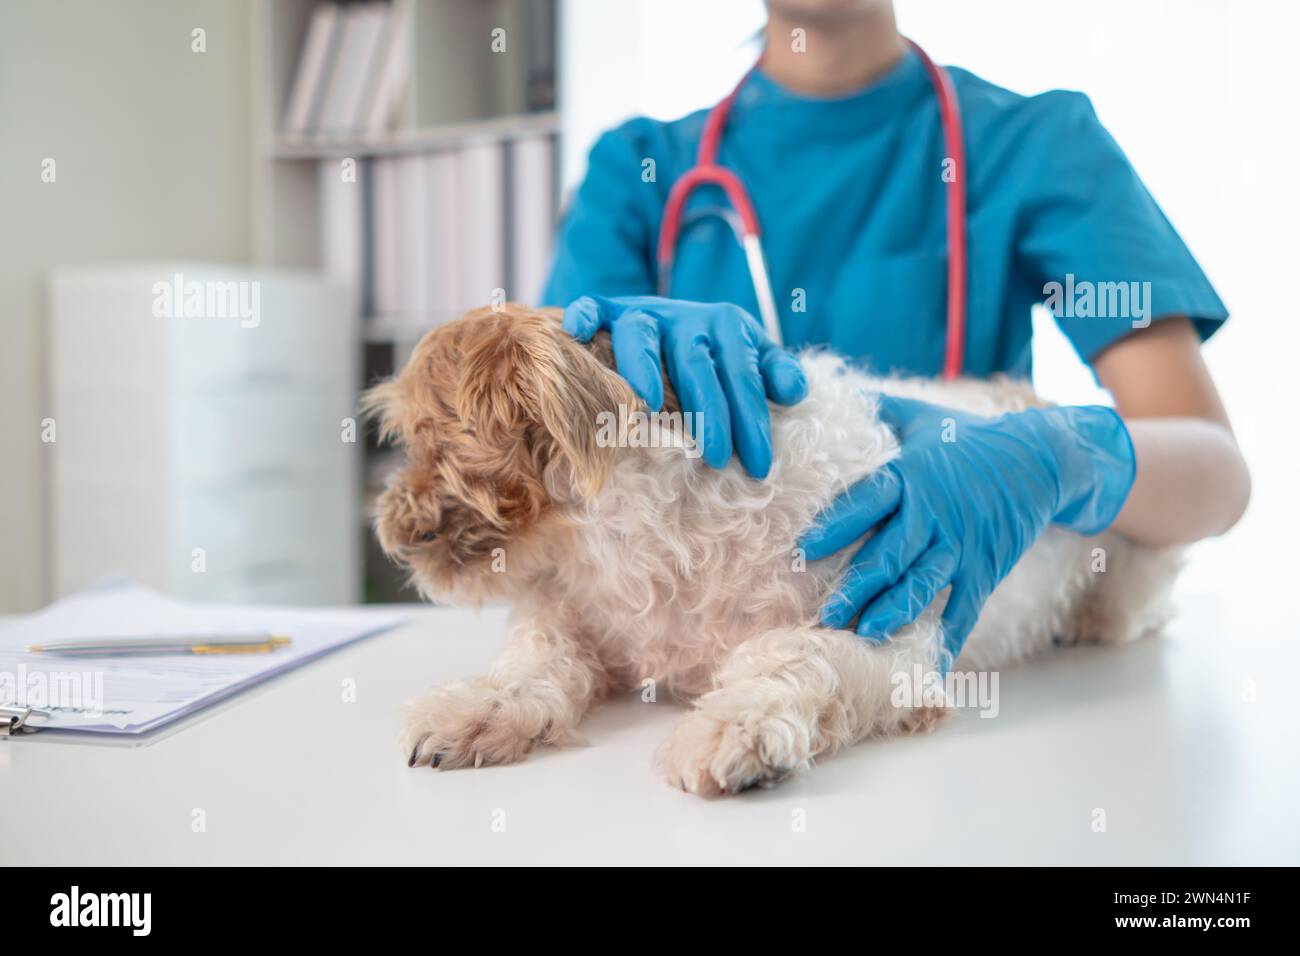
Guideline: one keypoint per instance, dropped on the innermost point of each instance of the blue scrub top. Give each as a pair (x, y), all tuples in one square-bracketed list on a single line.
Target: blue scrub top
[(850, 197)]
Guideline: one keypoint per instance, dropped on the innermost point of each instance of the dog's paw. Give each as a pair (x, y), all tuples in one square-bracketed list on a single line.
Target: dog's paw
[(470, 724), (711, 754)]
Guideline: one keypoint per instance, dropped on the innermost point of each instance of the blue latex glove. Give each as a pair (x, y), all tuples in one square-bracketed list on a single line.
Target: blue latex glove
[(719, 360), (964, 499)]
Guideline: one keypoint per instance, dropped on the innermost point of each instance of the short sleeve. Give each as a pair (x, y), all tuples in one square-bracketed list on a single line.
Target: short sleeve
[(1093, 239), (604, 246)]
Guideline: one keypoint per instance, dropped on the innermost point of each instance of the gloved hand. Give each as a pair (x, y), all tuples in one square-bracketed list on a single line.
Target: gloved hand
[(964, 499), (719, 360)]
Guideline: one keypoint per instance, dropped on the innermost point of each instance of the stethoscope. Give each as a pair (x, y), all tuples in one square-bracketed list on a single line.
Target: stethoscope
[(744, 222)]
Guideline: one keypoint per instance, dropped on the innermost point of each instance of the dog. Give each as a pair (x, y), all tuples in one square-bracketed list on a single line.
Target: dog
[(629, 561)]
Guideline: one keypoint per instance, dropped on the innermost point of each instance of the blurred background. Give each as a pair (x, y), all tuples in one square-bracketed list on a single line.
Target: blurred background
[(222, 218)]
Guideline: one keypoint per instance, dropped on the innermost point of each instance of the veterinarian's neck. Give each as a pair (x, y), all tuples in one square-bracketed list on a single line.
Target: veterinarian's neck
[(833, 55)]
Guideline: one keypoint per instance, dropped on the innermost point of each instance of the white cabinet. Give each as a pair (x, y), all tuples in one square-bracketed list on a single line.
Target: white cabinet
[(205, 445)]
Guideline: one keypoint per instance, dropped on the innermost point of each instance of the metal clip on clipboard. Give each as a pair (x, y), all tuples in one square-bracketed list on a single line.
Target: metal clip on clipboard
[(13, 719)]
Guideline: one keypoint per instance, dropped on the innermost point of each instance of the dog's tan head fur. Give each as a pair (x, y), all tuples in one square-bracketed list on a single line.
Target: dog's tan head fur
[(498, 413)]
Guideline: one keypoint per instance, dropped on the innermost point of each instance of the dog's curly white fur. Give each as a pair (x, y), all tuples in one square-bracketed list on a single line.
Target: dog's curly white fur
[(641, 563)]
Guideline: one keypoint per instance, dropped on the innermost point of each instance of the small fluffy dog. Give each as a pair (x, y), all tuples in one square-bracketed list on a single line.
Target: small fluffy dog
[(627, 563)]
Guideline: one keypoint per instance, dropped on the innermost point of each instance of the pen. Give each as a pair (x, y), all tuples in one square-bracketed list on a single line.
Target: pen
[(256, 643)]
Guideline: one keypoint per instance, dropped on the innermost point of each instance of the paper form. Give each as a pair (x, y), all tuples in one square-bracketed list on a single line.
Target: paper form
[(136, 694)]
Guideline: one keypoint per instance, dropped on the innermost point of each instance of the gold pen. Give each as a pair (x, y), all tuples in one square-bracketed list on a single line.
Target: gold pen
[(255, 643)]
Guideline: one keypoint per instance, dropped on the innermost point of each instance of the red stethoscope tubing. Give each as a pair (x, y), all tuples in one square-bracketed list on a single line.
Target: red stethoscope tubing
[(707, 171)]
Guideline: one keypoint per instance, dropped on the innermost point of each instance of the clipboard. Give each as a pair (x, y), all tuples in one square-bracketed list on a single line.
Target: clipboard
[(139, 698)]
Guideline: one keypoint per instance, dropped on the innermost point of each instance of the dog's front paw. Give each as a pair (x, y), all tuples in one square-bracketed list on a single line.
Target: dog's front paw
[(712, 754), (471, 723)]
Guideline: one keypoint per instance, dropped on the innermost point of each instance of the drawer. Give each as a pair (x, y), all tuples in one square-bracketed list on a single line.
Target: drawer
[(264, 524), (109, 434), (293, 431), (122, 324), (301, 327)]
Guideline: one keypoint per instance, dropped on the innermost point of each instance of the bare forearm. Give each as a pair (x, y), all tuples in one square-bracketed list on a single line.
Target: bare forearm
[(1192, 482)]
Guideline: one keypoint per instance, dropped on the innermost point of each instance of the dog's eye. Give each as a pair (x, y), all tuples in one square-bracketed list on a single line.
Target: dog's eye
[(426, 537)]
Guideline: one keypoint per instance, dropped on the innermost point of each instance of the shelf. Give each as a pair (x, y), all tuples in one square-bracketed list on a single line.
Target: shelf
[(458, 95), (496, 129)]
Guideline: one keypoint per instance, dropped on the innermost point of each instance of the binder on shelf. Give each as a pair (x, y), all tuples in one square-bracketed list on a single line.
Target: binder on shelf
[(384, 239), (414, 229), (314, 67), (532, 216), (385, 100), (342, 229), (480, 174), (442, 218), (449, 228), (539, 18), (363, 27)]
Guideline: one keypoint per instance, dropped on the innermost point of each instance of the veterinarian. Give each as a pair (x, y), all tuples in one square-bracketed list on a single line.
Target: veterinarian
[(838, 139)]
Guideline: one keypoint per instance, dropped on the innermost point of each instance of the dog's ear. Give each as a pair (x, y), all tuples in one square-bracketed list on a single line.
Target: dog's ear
[(525, 382), (382, 403)]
